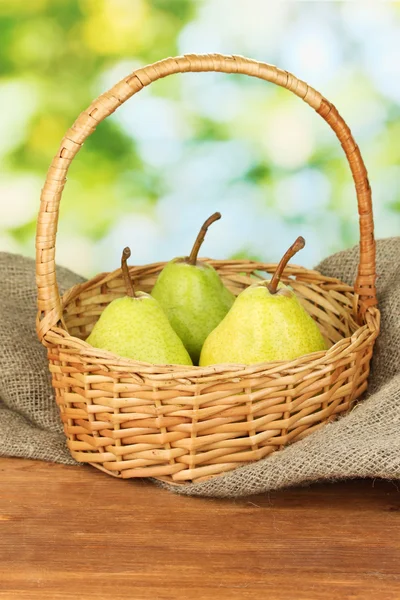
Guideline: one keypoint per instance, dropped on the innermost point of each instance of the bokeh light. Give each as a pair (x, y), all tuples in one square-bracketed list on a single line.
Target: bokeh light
[(195, 143)]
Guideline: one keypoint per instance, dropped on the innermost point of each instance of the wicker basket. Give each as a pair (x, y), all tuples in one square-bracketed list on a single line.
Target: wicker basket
[(184, 424)]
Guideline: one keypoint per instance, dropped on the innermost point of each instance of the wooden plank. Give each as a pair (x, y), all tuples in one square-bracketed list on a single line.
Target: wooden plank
[(75, 532)]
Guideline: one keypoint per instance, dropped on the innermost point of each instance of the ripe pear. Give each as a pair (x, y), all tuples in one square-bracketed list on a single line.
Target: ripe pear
[(266, 323), (136, 327), (193, 296)]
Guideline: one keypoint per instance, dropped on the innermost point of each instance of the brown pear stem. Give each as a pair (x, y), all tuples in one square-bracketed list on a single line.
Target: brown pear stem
[(130, 290), (200, 237), (294, 248)]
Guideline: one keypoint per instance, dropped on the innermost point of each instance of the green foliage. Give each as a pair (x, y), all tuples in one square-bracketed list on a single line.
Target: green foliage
[(158, 157)]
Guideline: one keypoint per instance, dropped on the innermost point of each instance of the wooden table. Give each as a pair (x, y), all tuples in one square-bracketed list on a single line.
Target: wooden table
[(74, 532)]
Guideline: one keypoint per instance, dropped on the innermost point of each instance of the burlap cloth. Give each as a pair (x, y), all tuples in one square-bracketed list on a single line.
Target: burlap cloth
[(365, 443)]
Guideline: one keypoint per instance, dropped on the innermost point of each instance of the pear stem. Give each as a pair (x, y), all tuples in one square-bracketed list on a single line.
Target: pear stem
[(294, 248), (130, 290), (200, 237)]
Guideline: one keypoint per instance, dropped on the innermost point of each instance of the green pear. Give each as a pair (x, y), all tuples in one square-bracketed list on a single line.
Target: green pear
[(193, 296), (266, 323), (136, 327)]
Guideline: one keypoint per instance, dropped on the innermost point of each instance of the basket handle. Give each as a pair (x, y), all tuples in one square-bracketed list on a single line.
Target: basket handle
[(49, 303)]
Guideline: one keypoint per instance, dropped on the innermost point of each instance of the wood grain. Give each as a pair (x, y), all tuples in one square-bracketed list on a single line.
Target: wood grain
[(74, 532)]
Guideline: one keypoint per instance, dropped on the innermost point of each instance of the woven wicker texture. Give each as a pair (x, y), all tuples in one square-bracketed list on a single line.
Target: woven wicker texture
[(184, 424)]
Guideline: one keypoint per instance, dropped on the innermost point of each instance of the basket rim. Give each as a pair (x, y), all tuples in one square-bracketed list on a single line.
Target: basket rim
[(58, 334), (274, 365)]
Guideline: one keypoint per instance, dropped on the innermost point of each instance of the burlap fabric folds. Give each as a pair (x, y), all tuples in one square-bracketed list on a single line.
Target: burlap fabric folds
[(364, 443)]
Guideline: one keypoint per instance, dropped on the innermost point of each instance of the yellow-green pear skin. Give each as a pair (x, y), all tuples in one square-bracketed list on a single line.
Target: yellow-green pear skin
[(262, 327), (137, 328), (194, 299)]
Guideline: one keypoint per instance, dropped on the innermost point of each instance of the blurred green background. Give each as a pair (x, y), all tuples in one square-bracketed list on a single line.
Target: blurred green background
[(192, 144)]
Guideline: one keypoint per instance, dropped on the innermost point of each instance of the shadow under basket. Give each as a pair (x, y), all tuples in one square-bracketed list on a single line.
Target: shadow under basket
[(183, 424)]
